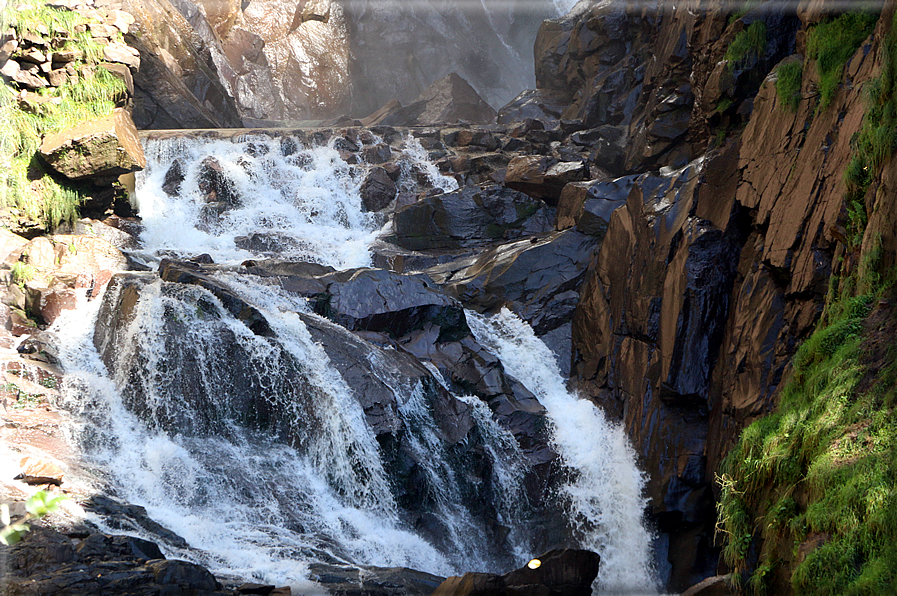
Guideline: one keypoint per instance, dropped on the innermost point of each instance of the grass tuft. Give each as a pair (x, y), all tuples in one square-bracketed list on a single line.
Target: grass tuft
[(788, 84), (832, 43), (749, 43), (876, 141)]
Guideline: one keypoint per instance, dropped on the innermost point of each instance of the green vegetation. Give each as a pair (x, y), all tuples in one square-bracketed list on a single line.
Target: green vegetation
[(790, 77), (22, 273), (809, 493), (37, 506), (832, 43), (876, 141), (750, 42), (24, 184), (823, 467), (745, 7)]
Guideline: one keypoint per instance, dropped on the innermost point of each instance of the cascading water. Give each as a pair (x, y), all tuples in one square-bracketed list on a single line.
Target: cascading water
[(304, 479), (604, 493)]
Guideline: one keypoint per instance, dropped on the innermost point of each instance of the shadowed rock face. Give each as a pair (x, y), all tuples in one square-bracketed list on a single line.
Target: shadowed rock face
[(178, 85), (563, 572)]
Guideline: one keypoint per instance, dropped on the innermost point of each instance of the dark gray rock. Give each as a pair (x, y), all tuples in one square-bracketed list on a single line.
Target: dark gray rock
[(378, 190), (215, 185), (538, 279), (566, 572), (470, 217)]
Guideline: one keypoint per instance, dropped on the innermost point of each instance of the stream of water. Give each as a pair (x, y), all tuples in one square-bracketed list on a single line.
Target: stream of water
[(255, 507)]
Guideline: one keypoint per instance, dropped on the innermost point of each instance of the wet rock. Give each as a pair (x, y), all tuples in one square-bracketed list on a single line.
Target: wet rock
[(377, 154), (267, 243), (342, 580), (718, 585), (45, 562), (449, 100), (378, 190), (174, 177), (537, 280), (101, 149), (469, 217), (190, 273), (379, 300), (543, 177), (566, 572), (215, 185), (40, 346)]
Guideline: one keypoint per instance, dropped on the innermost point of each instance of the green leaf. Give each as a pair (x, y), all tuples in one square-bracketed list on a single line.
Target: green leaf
[(39, 504), (12, 534)]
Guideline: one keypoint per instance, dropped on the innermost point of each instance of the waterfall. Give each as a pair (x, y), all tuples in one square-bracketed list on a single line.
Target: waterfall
[(256, 449), (605, 492)]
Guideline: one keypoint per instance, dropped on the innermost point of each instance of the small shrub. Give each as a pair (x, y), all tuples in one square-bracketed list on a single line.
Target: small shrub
[(788, 84), (876, 141), (22, 273)]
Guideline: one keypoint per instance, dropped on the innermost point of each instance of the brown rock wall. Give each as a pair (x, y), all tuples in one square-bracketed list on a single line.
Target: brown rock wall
[(708, 279)]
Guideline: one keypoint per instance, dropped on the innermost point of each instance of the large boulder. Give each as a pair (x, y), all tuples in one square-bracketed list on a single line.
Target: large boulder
[(543, 177), (565, 572), (179, 84), (468, 217), (538, 279), (60, 265), (47, 561), (100, 149)]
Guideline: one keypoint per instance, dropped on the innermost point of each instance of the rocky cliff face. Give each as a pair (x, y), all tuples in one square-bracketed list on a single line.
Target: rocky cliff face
[(212, 64), (717, 265)]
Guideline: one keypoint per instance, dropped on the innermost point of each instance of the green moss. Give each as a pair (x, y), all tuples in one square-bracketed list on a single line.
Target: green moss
[(789, 79), (832, 43), (23, 183), (750, 42)]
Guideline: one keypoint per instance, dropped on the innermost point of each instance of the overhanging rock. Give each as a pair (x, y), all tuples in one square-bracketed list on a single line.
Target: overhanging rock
[(100, 149)]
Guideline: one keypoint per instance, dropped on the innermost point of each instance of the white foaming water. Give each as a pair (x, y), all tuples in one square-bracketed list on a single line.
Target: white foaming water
[(305, 205), (605, 492), (253, 507)]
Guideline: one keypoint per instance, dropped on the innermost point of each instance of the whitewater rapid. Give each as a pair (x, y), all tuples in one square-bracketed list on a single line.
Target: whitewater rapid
[(255, 508)]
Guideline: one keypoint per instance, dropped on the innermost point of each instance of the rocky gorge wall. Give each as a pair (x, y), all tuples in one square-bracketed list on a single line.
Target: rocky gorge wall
[(702, 291)]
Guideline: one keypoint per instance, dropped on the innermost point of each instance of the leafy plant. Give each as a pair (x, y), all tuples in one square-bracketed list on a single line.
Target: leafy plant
[(37, 506)]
